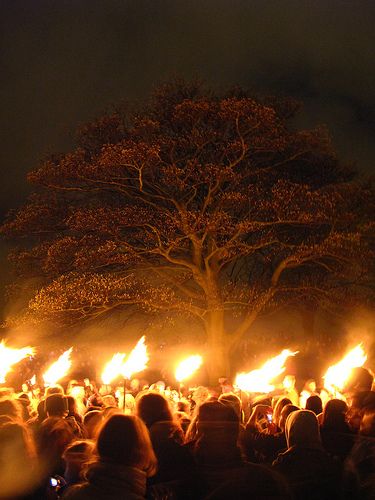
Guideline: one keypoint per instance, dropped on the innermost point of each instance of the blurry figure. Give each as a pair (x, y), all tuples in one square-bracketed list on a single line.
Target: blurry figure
[(19, 474), (278, 409), (76, 457), (309, 389), (226, 386), (309, 470), (54, 435), (108, 411), (360, 403), (264, 446), (134, 386), (221, 468), (73, 410), (125, 459), (53, 389), (361, 380), (109, 400), (56, 405), (95, 401), (285, 412), (92, 422), (167, 437), (234, 402), (361, 460), (159, 386), (129, 404), (337, 437), (11, 408), (78, 392), (24, 399), (199, 396), (289, 384)]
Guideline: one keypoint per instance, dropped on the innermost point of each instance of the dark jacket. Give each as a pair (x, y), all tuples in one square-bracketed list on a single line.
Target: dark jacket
[(108, 481)]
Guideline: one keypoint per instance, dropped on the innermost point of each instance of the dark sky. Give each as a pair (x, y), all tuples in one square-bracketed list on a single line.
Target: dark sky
[(64, 62)]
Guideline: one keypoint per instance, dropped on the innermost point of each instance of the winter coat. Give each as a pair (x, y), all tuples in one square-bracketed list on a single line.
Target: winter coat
[(108, 481)]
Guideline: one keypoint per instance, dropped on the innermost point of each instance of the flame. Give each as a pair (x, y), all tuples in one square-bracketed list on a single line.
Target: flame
[(33, 380), (259, 380), (113, 368), (9, 357), (338, 374), (137, 359), (58, 369), (188, 366)]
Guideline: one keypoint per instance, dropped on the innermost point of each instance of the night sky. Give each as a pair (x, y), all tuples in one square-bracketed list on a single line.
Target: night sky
[(65, 62)]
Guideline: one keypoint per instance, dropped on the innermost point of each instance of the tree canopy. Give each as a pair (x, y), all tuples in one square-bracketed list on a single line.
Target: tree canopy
[(201, 205)]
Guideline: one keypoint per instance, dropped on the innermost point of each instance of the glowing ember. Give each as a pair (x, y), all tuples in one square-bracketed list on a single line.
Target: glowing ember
[(137, 360), (59, 369), (9, 357), (338, 374), (187, 367), (260, 380), (113, 368)]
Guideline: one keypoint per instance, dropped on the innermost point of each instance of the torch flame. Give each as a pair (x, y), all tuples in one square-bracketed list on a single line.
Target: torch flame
[(58, 369), (9, 357), (137, 359), (337, 375), (187, 367), (259, 380), (113, 368)]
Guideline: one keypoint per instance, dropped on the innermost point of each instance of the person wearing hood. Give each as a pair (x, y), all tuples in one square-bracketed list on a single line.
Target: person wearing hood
[(125, 459), (220, 464), (311, 473)]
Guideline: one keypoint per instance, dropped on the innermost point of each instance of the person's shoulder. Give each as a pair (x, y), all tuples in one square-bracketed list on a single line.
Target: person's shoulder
[(77, 492)]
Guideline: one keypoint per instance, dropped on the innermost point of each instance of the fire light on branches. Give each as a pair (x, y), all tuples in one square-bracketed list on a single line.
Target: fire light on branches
[(338, 374), (10, 356), (187, 367), (137, 359), (58, 369), (113, 368), (260, 380)]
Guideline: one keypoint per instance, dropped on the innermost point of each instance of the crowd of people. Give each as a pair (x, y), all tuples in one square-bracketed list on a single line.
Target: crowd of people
[(80, 442)]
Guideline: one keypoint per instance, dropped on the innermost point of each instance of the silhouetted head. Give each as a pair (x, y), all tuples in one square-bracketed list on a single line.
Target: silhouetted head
[(11, 408), (54, 389), (314, 403), (360, 380), (56, 405), (302, 430), (334, 414), (152, 407), (278, 408), (285, 412), (232, 400), (124, 440)]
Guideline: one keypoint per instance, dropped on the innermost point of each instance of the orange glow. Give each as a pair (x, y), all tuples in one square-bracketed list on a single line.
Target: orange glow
[(338, 374), (58, 369), (260, 380), (10, 356), (113, 368), (137, 359), (187, 367)]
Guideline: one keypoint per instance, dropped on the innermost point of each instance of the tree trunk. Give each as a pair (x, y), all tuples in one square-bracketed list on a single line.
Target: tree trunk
[(217, 352)]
